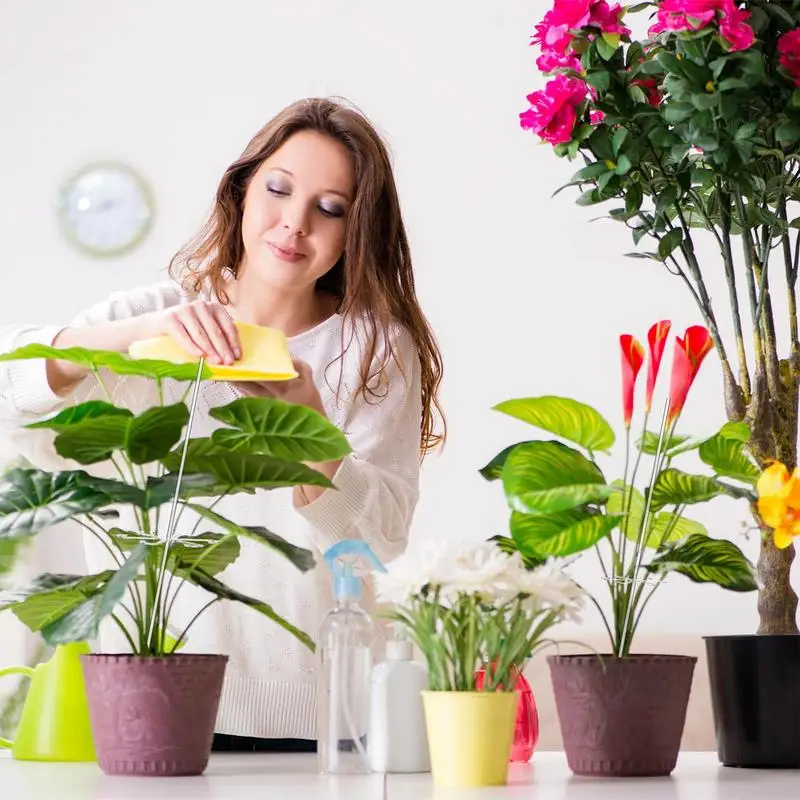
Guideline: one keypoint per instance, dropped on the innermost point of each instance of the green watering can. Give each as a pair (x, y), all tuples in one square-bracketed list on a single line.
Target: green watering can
[(54, 724)]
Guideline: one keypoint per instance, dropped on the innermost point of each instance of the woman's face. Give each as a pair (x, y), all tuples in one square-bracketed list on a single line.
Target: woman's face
[(295, 212)]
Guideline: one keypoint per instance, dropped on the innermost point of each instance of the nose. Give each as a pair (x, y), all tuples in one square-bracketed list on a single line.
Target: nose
[(296, 218)]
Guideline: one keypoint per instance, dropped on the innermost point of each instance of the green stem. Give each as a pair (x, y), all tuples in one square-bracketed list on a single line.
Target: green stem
[(124, 630), (733, 296), (191, 622)]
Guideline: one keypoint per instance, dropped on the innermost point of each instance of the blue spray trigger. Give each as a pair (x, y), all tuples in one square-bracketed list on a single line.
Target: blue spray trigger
[(345, 583)]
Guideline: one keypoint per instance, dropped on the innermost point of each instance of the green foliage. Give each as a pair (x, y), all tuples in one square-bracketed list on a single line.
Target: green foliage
[(561, 506), (263, 444)]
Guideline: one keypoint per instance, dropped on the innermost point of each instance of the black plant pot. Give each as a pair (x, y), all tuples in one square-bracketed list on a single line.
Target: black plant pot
[(755, 694)]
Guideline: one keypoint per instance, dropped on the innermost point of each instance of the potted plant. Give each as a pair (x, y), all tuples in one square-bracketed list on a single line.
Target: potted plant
[(466, 607), (623, 713), (694, 132), (153, 710)]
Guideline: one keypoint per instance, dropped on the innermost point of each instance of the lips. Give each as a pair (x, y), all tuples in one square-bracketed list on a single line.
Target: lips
[(284, 253)]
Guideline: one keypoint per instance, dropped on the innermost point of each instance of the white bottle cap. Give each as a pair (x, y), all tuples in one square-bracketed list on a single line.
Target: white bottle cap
[(399, 650)]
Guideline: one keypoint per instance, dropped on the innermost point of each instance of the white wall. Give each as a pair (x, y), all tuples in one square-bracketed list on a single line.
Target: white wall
[(527, 297)]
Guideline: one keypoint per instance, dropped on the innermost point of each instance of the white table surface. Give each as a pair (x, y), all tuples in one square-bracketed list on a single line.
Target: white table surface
[(698, 776)]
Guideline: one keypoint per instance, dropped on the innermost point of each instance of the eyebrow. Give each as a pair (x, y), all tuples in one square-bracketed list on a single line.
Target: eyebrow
[(327, 191)]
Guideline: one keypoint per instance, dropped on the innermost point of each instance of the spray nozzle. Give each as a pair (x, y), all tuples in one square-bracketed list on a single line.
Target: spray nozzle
[(345, 583)]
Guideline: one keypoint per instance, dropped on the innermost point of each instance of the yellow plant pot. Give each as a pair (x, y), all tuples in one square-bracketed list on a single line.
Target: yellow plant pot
[(470, 736)]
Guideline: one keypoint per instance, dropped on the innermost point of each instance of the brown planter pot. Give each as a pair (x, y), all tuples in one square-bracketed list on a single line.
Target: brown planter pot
[(622, 717), (153, 716)]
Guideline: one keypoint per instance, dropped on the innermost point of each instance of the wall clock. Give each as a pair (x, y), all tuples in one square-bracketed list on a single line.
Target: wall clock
[(106, 209)]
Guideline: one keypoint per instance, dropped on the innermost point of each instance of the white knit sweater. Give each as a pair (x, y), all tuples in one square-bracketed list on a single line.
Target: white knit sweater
[(270, 685)]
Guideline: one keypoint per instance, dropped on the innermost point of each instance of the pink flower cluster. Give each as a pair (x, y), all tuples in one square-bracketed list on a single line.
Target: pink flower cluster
[(554, 110), (554, 34), (789, 54), (693, 15)]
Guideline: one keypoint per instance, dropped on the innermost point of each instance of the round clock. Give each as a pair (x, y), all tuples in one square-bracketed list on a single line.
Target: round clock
[(106, 209)]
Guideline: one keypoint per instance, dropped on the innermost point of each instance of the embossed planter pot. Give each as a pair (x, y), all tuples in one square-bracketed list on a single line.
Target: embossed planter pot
[(622, 716), (153, 716)]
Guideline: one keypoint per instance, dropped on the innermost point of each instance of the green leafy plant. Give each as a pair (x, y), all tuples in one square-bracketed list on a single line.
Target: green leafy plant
[(261, 445), (562, 504), (696, 127)]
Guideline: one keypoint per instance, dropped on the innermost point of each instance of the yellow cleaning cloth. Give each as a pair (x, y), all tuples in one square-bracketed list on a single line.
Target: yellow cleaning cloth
[(265, 355)]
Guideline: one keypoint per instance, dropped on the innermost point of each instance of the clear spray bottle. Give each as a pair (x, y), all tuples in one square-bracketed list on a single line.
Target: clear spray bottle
[(345, 644)]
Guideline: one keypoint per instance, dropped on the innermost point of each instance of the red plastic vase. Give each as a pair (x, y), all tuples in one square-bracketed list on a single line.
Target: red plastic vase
[(526, 730)]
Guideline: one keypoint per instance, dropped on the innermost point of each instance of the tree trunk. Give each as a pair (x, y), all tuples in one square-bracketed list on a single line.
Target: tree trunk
[(774, 423)]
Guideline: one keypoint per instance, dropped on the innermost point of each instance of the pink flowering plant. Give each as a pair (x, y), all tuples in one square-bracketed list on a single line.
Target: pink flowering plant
[(694, 130)]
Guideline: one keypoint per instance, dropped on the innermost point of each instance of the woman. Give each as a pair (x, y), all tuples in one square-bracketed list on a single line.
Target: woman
[(306, 236)]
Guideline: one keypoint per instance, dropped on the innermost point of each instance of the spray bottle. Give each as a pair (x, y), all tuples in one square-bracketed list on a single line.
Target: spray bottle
[(345, 649)]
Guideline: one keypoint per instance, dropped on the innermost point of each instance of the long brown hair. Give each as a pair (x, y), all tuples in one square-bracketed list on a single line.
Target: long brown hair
[(375, 279)]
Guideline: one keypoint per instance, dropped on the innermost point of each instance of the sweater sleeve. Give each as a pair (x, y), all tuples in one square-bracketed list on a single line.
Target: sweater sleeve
[(25, 394), (376, 486)]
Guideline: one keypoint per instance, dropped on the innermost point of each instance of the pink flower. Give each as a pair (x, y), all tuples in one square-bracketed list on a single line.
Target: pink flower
[(554, 33), (554, 109), (733, 27), (693, 15), (789, 54), (596, 116), (684, 15), (552, 61), (608, 18)]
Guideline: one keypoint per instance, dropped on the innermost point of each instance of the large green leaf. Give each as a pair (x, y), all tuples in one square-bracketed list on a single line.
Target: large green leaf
[(145, 438), (219, 589), (547, 477), (75, 625), (674, 527), (160, 490), (118, 363), (669, 524), (212, 551), (706, 560), (673, 487), (31, 500), (50, 596), (648, 443), (563, 417), (153, 433), (729, 458), (627, 500), (494, 469), (276, 428), (530, 558), (82, 412), (242, 471), (560, 534), (82, 622), (302, 558)]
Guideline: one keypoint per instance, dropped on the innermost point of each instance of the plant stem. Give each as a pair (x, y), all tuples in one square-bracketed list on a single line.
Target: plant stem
[(124, 630), (790, 273), (730, 275), (191, 622)]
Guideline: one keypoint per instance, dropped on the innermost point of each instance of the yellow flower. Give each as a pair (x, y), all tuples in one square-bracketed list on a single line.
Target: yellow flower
[(779, 502)]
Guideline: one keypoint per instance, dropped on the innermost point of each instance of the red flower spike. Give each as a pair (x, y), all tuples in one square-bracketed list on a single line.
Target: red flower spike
[(632, 359), (688, 357), (656, 340)]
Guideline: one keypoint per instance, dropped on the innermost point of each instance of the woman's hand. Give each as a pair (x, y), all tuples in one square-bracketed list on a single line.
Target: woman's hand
[(300, 390), (201, 328)]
